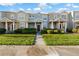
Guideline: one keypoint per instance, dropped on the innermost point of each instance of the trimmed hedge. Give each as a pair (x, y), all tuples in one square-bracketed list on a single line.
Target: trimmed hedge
[(44, 31), (52, 31), (69, 30), (56, 31), (2, 30), (26, 31)]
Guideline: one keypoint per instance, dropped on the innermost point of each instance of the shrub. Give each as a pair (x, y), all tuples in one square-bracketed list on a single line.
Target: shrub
[(44, 31), (49, 31), (29, 30), (18, 31), (62, 31), (77, 30), (2, 30), (69, 31), (74, 30), (26, 31), (55, 31)]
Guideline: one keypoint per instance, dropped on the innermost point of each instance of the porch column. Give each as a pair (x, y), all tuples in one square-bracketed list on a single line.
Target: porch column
[(65, 26), (26, 24), (35, 25), (13, 26), (52, 27), (59, 25), (6, 26), (41, 25)]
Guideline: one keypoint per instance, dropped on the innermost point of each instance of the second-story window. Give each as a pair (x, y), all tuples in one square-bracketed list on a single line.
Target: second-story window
[(45, 18), (77, 16), (12, 16), (29, 15), (63, 16), (55, 17)]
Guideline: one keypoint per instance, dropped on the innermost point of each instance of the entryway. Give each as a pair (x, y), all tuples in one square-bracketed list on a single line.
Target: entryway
[(38, 28)]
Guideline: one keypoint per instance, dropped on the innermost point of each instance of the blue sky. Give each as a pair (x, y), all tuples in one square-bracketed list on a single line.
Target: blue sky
[(39, 7)]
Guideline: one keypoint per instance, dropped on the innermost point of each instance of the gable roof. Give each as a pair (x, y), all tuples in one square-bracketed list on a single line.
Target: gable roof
[(5, 19)]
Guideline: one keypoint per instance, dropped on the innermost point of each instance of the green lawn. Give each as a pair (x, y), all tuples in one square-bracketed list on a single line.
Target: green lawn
[(61, 39), (17, 39)]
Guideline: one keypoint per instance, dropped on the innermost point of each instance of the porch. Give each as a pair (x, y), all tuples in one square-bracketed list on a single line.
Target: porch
[(8, 24), (62, 25), (37, 25)]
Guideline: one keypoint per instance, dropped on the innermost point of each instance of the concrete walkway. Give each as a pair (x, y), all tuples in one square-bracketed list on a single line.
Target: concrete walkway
[(42, 46), (39, 40)]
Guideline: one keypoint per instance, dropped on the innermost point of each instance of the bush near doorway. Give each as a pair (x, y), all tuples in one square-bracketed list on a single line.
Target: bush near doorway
[(26, 31), (2, 30), (74, 30), (44, 31)]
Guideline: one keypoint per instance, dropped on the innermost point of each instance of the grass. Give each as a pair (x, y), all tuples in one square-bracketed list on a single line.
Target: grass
[(61, 39), (17, 39)]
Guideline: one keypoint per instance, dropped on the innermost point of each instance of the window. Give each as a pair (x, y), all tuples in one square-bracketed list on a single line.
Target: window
[(55, 17), (12, 16), (77, 16), (21, 24), (31, 25), (63, 16), (45, 18), (21, 17), (29, 15)]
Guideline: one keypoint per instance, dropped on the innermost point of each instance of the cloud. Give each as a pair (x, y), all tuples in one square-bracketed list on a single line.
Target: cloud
[(75, 6), (50, 7), (43, 12), (72, 5), (7, 4), (42, 5), (53, 4), (68, 5), (62, 9), (37, 9), (29, 9), (21, 9)]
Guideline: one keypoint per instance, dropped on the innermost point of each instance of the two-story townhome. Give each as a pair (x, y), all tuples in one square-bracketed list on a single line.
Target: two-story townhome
[(58, 20), (14, 20), (38, 21)]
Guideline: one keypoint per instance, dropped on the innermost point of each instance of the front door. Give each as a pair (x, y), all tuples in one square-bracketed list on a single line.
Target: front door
[(38, 27)]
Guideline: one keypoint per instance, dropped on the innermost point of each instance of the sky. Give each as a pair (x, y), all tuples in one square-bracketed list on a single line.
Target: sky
[(39, 7)]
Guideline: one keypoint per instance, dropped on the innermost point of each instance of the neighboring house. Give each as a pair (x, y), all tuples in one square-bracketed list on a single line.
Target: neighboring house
[(58, 20), (75, 19), (62, 21)]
